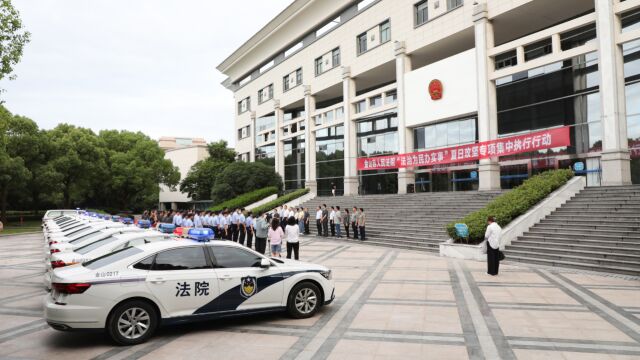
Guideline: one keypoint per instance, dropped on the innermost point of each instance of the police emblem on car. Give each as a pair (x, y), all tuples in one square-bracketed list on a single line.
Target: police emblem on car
[(248, 286)]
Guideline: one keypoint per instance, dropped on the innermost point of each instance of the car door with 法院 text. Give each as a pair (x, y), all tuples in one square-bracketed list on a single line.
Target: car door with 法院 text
[(183, 280), (244, 285)]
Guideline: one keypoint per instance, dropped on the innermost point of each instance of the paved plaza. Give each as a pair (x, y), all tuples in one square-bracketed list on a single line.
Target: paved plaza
[(391, 304)]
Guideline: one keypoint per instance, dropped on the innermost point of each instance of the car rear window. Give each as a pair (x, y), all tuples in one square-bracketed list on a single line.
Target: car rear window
[(85, 249), (111, 258), (78, 231), (88, 236)]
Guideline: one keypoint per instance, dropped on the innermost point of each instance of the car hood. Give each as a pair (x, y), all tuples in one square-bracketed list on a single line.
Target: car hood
[(290, 265)]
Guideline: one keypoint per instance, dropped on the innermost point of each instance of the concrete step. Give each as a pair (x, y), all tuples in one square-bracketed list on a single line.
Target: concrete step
[(592, 229), (573, 235), (530, 259), (579, 223), (550, 255), (597, 252), (579, 240)]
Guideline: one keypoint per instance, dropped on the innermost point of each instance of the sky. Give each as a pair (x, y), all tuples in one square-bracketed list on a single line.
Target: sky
[(139, 65)]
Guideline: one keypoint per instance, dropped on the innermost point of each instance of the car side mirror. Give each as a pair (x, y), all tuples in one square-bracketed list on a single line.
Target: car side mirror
[(265, 263)]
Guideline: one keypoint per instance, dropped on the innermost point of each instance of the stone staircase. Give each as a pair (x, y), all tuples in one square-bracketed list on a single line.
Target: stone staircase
[(411, 221), (598, 229)]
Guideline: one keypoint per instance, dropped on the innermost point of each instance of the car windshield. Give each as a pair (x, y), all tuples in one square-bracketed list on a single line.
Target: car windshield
[(85, 249), (78, 231), (71, 226), (111, 258), (87, 236)]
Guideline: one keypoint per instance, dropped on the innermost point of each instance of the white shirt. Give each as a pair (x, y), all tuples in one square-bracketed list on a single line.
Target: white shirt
[(291, 233), (318, 214), (332, 215), (493, 233)]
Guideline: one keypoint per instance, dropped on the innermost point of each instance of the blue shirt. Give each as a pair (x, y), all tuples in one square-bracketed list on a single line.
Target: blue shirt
[(241, 219), (187, 223), (234, 218), (249, 221), (198, 222), (177, 220), (214, 221)]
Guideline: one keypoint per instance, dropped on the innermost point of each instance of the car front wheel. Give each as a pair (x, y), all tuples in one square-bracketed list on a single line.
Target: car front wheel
[(304, 300), (132, 323)]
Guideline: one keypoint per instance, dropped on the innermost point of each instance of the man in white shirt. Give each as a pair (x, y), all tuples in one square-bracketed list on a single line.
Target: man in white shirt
[(318, 220), (332, 224), (492, 237)]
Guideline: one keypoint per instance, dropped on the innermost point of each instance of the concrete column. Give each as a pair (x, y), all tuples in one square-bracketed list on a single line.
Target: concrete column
[(556, 46), (615, 159), (252, 133), (405, 136), (350, 139), (309, 141), (489, 169), (279, 114), (520, 55)]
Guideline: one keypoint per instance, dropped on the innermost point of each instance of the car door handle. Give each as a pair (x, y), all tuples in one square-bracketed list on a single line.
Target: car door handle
[(225, 277), (157, 281)]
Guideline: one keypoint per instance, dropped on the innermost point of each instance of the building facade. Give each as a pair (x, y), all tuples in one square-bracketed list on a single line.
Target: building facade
[(183, 153), (327, 86)]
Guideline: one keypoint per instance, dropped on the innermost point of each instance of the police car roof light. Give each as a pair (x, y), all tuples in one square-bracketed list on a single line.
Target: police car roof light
[(127, 221), (202, 235), (166, 228), (144, 224)]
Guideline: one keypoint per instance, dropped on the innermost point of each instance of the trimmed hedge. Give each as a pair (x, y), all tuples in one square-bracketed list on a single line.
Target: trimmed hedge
[(245, 199), (512, 204), (280, 201)]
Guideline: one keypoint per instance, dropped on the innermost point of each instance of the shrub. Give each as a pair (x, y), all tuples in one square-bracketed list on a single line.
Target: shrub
[(246, 199), (512, 204), (242, 177), (280, 201)]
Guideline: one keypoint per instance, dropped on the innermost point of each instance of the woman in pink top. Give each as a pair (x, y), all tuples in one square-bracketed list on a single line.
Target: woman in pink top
[(275, 237)]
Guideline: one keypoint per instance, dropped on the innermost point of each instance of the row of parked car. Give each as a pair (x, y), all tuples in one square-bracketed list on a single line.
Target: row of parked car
[(108, 273)]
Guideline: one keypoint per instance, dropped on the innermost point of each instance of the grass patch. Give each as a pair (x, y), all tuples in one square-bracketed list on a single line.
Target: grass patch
[(17, 228)]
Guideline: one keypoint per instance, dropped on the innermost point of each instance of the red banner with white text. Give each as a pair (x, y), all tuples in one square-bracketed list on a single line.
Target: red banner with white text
[(539, 140)]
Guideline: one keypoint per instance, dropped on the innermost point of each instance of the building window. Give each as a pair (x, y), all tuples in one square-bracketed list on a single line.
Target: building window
[(506, 59), (421, 12), (267, 66), (578, 37), (290, 51), (244, 105), (452, 4), (450, 133), (328, 61), (360, 106), (244, 132), (374, 37), (362, 43), (630, 20), (292, 80), (364, 3), (385, 32), (328, 26), (265, 94), (537, 49), (391, 97), (243, 157), (375, 101)]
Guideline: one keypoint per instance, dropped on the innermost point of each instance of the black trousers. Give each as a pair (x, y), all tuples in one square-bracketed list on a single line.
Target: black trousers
[(228, 233), (261, 244), (361, 230), (306, 227), (319, 225), (325, 229), (493, 260), (249, 237), (295, 248), (242, 233), (355, 230), (234, 232), (346, 228), (333, 228), (216, 233)]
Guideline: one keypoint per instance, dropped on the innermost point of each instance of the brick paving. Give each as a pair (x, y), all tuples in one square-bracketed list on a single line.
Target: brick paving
[(391, 304)]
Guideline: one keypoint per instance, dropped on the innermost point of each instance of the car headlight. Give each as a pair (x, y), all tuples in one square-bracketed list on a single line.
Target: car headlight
[(326, 274)]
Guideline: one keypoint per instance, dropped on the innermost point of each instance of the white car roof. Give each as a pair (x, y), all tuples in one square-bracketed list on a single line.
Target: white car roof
[(157, 246), (137, 234)]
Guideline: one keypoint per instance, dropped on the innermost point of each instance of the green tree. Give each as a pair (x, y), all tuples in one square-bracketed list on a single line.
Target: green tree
[(241, 177), (201, 177), (79, 160), (16, 145), (136, 168), (13, 38)]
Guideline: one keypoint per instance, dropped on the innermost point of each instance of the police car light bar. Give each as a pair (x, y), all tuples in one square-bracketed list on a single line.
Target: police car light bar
[(144, 224), (166, 228), (115, 218), (202, 235), (126, 221)]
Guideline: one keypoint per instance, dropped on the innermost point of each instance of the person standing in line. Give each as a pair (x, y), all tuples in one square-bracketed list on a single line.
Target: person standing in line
[(362, 220), (227, 226), (300, 219), (319, 220), (492, 236), (197, 221), (346, 219), (283, 217), (337, 221), (177, 219), (215, 223), (332, 223), (275, 237), (242, 227), (187, 222), (305, 211), (249, 229), (325, 221), (293, 238), (234, 225), (354, 222), (262, 229)]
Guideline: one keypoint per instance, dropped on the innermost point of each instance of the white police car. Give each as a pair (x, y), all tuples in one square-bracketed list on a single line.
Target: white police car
[(130, 292), (71, 244)]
